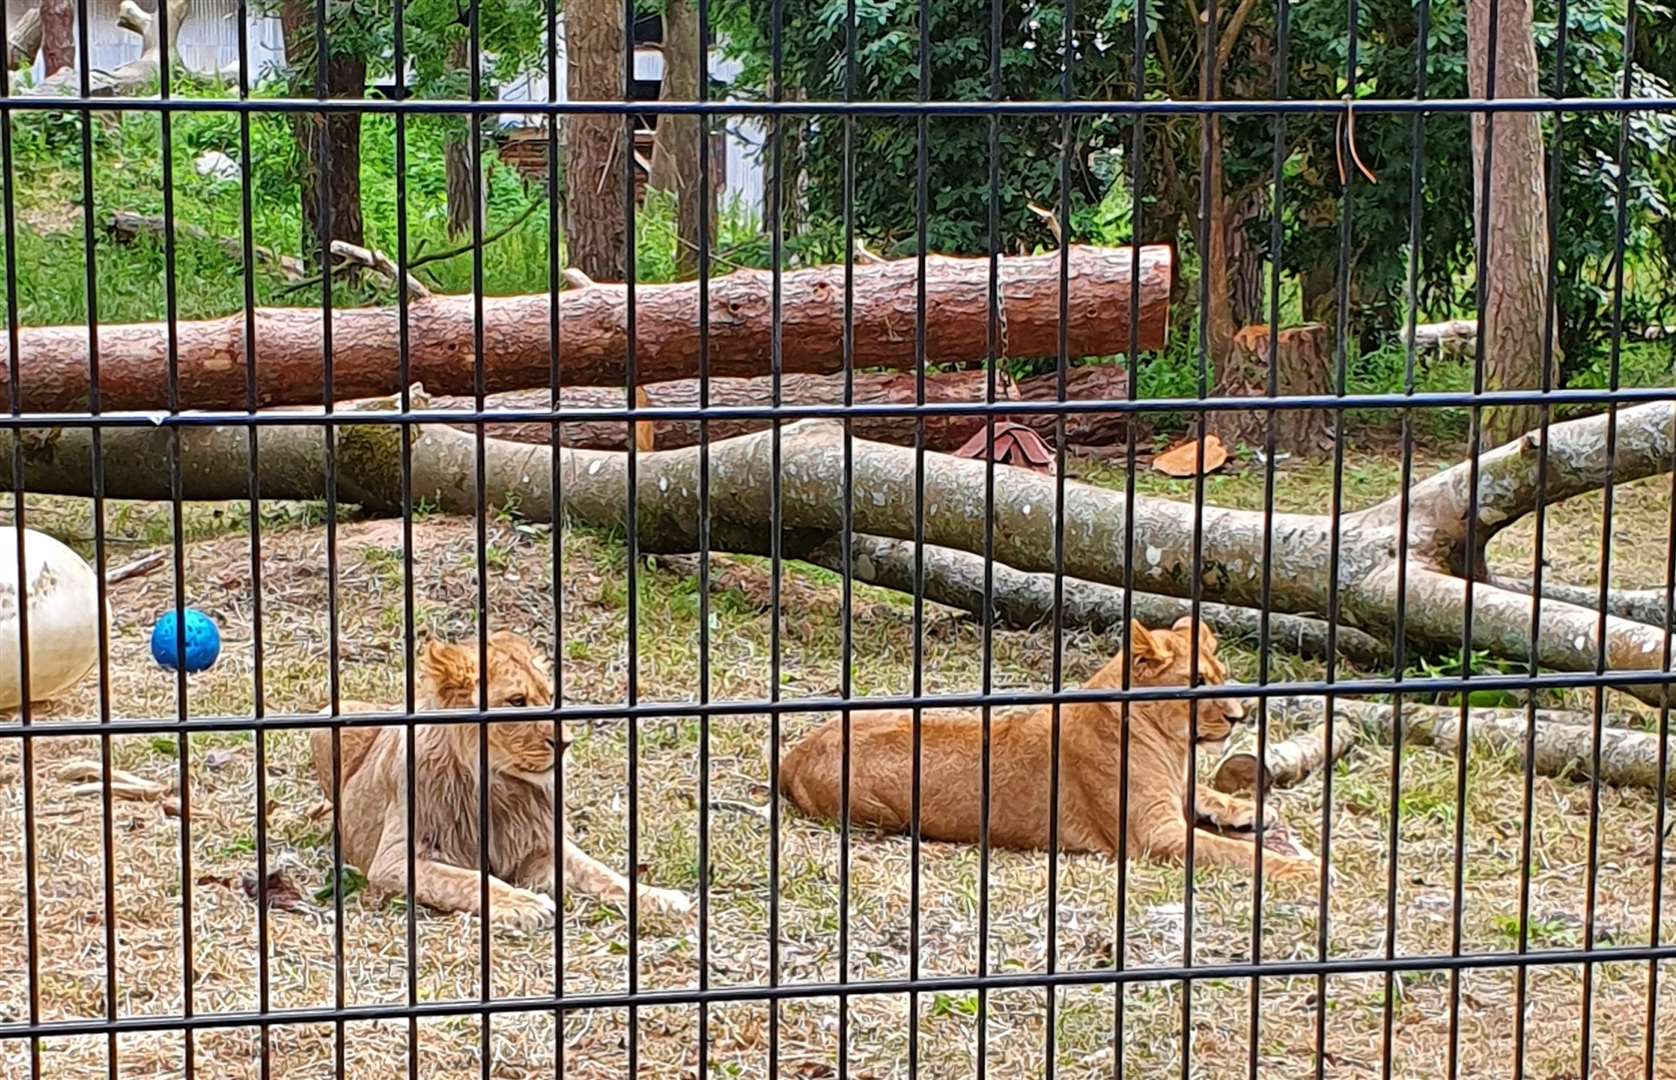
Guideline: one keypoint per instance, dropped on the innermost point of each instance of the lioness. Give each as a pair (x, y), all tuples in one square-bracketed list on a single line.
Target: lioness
[(1090, 768), (522, 758)]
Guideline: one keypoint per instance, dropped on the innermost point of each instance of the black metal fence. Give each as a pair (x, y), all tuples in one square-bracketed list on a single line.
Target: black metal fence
[(123, 1013)]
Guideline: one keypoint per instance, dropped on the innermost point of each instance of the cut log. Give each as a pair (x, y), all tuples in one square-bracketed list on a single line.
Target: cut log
[(25, 39), (1290, 761), (1563, 746), (1094, 382), (134, 77), (1303, 357), (1178, 549), (943, 431), (592, 345)]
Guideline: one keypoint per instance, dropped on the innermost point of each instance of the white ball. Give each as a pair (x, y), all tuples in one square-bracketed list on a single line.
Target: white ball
[(63, 617)]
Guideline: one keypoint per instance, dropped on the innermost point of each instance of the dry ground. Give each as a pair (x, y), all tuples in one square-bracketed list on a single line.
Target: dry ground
[(145, 867)]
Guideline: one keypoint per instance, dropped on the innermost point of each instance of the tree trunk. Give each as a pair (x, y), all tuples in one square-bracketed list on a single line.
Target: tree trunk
[(456, 153), (25, 40), (133, 359), (334, 140), (1564, 741), (1246, 255), (1025, 601), (1219, 324), (594, 154), (944, 431), (941, 499), (58, 35), (1513, 242), (1303, 355), (675, 167), (1098, 382)]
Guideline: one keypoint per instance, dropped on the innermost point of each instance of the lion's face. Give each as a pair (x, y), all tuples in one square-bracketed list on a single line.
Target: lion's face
[(518, 679), (1165, 658)]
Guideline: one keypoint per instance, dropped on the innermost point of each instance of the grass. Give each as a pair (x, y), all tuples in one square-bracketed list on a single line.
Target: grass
[(592, 624)]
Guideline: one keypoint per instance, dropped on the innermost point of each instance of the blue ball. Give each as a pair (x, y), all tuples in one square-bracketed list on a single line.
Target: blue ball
[(203, 641)]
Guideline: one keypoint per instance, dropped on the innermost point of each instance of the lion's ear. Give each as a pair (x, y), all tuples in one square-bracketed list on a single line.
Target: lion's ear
[(1207, 636), (451, 671), (1151, 652)]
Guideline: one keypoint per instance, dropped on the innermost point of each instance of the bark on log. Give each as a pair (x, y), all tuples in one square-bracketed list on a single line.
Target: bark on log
[(1564, 740), (811, 478), (132, 358), (126, 225), (25, 40), (137, 75), (1303, 359), (1095, 382), (942, 432), (1650, 606), (1026, 601), (1290, 761)]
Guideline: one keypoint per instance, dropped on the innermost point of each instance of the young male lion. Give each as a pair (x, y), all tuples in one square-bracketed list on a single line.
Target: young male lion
[(1090, 768), (523, 756)]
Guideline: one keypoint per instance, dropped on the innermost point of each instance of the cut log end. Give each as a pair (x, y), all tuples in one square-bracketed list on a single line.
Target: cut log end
[(1236, 773)]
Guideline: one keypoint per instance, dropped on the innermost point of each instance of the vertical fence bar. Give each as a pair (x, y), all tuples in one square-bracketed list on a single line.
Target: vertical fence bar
[(705, 195), (1399, 640), (1283, 41), (922, 215), (474, 191), (1067, 129), (1137, 165), (847, 644), (31, 886), (993, 348), (247, 255), (631, 380), (1608, 491), (404, 342), (1340, 379), (107, 811), (1550, 312), (171, 308), (556, 526), (1474, 437), (1209, 147), (776, 248)]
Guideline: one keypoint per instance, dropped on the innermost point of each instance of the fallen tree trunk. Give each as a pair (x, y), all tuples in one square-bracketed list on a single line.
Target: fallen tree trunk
[(134, 77), (1563, 746), (25, 39), (1172, 541), (1651, 606), (943, 431), (592, 341), (126, 226), (1026, 601), (1095, 382)]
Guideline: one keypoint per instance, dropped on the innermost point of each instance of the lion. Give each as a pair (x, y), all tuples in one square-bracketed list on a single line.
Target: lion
[(523, 757), (1091, 768)]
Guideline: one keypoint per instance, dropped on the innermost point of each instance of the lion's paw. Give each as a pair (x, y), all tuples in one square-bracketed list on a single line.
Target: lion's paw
[(521, 909)]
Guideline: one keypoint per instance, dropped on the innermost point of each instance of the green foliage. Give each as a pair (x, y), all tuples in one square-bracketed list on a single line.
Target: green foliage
[(128, 176), (869, 165)]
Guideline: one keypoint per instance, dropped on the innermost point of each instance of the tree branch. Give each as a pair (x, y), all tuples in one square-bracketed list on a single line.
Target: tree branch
[(1564, 741)]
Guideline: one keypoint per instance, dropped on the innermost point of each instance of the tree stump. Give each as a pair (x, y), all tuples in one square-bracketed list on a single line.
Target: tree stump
[(1303, 355)]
